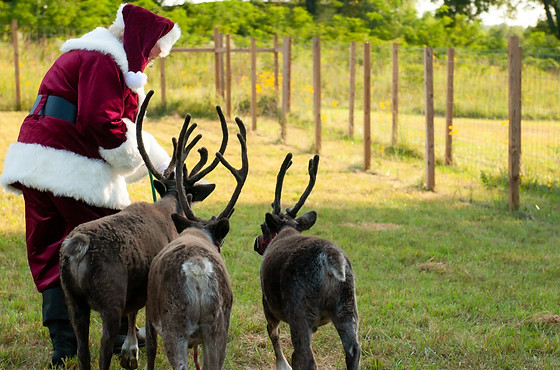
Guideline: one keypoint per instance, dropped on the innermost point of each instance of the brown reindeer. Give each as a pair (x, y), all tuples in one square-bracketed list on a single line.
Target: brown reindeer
[(104, 264), (306, 281), (189, 290)]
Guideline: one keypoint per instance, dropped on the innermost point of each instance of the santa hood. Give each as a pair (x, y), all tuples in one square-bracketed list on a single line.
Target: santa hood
[(129, 40)]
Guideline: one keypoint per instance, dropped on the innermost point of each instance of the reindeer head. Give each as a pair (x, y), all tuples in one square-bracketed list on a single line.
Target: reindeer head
[(276, 221), (165, 182), (217, 227)]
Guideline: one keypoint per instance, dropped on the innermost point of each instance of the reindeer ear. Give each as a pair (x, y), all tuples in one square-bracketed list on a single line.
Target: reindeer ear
[(181, 222), (272, 221), (160, 187), (220, 230), (306, 221), (201, 191)]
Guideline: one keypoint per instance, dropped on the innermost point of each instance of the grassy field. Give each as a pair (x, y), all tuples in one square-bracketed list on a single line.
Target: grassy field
[(444, 279), (480, 106)]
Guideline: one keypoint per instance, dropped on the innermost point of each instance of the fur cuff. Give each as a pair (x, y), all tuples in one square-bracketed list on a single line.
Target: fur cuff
[(159, 157), (125, 158)]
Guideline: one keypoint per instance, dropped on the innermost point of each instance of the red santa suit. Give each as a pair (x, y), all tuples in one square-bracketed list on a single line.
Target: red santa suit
[(77, 147)]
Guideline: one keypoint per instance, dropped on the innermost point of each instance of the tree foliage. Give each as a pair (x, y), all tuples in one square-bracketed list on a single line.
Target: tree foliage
[(455, 24), (472, 9)]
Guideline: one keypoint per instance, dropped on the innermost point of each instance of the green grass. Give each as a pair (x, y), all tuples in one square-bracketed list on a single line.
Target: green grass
[(444, 279)]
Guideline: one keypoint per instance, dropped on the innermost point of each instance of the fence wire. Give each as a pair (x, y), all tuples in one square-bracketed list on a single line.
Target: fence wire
[(480, 104)]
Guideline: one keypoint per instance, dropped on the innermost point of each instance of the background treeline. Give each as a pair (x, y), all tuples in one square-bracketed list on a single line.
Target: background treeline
[(376, 21)]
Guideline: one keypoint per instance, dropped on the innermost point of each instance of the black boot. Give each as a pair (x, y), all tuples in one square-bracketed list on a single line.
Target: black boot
[(57, 320)]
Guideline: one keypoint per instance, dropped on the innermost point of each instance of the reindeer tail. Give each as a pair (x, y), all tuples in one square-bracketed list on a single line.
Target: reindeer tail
[(75, 246), (335, 263)]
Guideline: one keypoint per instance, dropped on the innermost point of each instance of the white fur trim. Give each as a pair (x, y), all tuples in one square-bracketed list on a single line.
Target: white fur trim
[(141, 96), (100, 39), (159, 157), (126, 159), (166, 42), (117, 28), (137, 175), (64, 174), (135, 80)]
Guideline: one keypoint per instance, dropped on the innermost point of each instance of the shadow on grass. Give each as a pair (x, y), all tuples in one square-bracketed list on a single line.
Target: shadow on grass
[(441, 264)]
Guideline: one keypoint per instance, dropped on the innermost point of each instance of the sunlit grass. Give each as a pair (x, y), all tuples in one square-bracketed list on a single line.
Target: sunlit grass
[(444, 279)]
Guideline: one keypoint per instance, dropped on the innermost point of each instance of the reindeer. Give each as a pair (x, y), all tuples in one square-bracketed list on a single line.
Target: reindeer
[(104, 263), (306, 281), (189, 289)]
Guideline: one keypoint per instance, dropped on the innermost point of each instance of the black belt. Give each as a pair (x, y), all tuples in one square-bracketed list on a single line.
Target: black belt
[(58, 107)]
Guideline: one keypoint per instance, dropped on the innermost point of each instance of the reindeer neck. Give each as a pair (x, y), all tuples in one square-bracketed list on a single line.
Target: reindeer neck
[(169, 204), (203, 234), (286, 231)]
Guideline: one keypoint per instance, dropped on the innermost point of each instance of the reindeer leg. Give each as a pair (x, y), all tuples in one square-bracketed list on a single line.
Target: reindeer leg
[(214, 347), (111, 322), (80, 316), (347, 330), (274, 334), (129, 352), (176, 348), (300, 332), (151, 345)]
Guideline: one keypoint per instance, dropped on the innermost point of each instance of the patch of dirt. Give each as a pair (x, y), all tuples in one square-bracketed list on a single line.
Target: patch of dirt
[(260, 340), (437, 267), (545, 318)]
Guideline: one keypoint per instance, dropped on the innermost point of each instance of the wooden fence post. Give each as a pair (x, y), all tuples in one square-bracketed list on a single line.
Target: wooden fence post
[(254, 83), (276, 65), (352, 89), (514, 157), (395, 95), (285, 87), (223, 77), (288, 75), (449, 108), (162, 81), (217, 60), (367, 106), (16, 62), (228, 75), (429, 89), (317, 91)]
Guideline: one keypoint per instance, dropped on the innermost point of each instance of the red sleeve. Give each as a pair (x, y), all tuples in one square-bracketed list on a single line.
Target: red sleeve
[(103, 100)]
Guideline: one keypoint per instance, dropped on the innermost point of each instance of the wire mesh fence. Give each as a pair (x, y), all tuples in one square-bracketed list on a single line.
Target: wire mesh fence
[(480, 89)]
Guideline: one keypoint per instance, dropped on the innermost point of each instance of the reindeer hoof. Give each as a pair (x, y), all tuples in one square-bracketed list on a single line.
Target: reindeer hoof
[(129, 359)]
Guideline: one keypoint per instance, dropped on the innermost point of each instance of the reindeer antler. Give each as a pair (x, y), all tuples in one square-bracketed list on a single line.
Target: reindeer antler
[(239, 174), (197, 173), (142, 148), (183, 152), (181, 155), (312, 169), (276, 205), (140, 142)]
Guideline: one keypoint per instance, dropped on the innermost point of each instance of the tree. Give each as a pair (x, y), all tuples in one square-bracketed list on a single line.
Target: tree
[(552, 11), (472, 9)]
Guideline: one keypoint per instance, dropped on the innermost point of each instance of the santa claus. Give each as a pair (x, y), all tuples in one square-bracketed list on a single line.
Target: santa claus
[(77, 149)]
